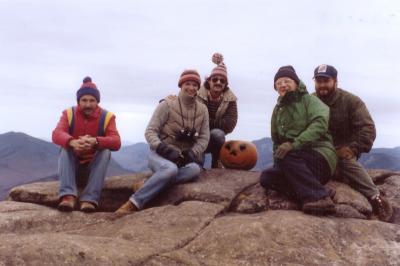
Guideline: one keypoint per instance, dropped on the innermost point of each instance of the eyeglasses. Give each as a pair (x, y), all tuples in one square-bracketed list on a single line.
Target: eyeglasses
[(215, 80), (283, 82)]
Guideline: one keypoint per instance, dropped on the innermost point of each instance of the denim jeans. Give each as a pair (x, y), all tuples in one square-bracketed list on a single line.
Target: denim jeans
[(166, 173), (67, 169), (300, 176)]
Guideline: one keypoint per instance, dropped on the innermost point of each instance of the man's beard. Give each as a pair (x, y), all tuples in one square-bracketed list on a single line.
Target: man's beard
[(325, 92)]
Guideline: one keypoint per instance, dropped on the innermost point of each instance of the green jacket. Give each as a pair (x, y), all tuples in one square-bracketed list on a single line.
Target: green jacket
[(350, 122), (302, 119)]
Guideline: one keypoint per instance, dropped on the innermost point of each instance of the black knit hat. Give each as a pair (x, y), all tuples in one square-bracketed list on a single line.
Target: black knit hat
[(287, 71)]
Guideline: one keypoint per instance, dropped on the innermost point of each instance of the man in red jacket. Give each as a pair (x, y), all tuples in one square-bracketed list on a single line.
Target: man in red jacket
[(87, 133)]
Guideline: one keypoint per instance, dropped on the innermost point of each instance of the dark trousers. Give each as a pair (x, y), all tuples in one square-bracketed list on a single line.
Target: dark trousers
[(217, 139), (300, 176)]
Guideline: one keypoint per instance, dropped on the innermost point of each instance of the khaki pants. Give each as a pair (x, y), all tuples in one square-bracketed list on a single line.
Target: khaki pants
[(354, 174)]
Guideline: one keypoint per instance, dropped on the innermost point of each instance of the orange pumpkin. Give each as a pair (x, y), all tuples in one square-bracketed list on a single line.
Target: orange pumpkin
[(237, 154)]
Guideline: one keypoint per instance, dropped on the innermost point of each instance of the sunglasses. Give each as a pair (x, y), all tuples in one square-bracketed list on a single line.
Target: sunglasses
[(215, 80)]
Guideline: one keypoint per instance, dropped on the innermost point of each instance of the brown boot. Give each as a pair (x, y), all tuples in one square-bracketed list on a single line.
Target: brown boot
[(382, 208), (321, 206), (127, 208), (67, 204), (88, 207)]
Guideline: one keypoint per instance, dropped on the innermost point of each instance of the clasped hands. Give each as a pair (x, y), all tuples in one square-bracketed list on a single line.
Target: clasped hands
[(83, 144)]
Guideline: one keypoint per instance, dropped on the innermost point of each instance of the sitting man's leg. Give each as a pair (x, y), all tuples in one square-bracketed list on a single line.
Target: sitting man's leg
[(164, 171), (217, 139), (187, 173), (67, 172), (91, 194), (358, 178), (274, 178), (306, 172)]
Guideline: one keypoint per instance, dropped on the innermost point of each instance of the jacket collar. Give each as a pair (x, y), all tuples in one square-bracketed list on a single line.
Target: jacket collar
[(228, 95)]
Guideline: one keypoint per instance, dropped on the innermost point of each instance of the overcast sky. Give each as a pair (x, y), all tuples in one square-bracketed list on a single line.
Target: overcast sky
[(135, 51)]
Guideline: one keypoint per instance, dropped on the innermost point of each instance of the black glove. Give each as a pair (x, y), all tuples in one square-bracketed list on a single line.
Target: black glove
[(190, 157), (170, 154)]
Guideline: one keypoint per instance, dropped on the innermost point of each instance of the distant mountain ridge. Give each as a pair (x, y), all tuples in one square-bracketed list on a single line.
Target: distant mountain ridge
[(24, 159)]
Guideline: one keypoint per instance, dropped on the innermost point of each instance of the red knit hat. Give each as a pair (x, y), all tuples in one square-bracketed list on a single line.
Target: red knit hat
[(88, 88), (220, 69), (189, 74)]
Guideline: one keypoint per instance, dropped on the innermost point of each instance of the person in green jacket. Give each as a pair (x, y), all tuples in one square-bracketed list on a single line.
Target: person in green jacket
[(353, 132), (304, 156)]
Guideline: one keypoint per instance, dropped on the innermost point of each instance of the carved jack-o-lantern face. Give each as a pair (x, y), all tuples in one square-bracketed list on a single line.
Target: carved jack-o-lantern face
[(237, 154)]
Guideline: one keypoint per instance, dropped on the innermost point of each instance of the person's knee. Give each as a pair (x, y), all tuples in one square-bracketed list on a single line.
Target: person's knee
[(217, 137), (194, 169), (169, 171)]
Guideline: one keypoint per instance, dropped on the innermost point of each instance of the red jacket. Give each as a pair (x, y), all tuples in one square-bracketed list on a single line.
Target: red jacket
[(86, 126)]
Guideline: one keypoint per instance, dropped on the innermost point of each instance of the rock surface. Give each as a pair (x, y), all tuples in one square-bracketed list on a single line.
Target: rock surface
[(223, 218)]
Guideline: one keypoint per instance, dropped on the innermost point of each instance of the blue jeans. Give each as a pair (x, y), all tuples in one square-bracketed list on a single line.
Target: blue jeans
[(67, 169), (165, 173)]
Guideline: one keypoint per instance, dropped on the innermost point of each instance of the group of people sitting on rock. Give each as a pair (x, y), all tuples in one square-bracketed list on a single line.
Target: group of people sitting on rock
[(315, 137)]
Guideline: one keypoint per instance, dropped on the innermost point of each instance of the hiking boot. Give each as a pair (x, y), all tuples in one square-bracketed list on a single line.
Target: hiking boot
[(87, 207), (67, 204), (138, 184), (382, 208), (127, 208), (321, 206)]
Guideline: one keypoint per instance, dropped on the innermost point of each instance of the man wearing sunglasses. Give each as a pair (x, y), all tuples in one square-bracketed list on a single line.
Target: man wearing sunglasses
[(221, 103), (353, 132)]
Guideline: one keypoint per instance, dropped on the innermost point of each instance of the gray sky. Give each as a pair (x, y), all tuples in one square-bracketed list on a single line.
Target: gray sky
[(135, 51)]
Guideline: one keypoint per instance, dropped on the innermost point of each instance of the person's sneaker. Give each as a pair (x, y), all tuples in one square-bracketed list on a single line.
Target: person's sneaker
[(321, 206), (87, 207), (67, 203), (382, 208), (127, 208)]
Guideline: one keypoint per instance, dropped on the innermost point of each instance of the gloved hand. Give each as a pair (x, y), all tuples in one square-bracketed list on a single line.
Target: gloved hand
[(170, 154), (283, 149), (190, 157), (345, 152)]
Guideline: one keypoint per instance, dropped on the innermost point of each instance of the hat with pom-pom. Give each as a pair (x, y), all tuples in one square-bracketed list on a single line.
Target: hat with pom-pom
[(88, 88), (220, 69), (189, 74)]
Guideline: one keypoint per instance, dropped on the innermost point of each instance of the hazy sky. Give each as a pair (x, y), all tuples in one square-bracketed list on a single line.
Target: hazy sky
[(135, 51)]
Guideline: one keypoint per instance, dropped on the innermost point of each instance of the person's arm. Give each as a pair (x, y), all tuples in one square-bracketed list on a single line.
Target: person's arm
[(111, 140), (317, 121), (60, 135), (157, 121), (228, 121), (362, 128)]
